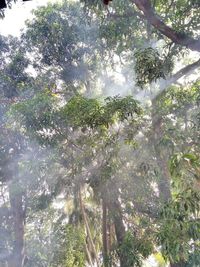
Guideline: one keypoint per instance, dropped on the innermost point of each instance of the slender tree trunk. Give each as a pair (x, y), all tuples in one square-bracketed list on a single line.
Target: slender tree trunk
[(164, 183), (104, 233), (17, 259), (116, 213), (88, 255), (88, 229), (109, 227)]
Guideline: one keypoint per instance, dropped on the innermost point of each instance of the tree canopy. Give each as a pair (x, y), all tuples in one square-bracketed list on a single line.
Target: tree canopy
[(99, 136)]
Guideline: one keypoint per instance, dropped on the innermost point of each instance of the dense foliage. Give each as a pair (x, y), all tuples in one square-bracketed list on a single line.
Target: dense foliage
[(99, 139)]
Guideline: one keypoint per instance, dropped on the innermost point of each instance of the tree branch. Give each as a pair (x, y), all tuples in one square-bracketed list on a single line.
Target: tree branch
[(187, 70), (175, 77), (177, 37)]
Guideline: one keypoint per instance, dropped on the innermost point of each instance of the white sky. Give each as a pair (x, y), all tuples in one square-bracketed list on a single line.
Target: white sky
[(16, 16)]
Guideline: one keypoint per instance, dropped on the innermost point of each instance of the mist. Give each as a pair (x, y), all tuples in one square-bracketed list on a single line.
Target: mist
[(86, 154)]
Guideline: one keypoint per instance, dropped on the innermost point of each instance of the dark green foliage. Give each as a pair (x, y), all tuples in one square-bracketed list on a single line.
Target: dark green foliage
[(179, 226), (179, 232), (134, 249), (37, 114), (57, 145), (149, 66), (84, 112), (40, 113)]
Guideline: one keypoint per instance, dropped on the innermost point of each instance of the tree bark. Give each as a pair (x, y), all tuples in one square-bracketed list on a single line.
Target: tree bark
[(88, 229), (88, 254), (154, 20), (187, 70), (164, 183), (111, 235), (16, 202), (116, 213)]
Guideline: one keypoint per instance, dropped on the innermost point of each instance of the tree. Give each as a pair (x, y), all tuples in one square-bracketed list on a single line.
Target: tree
[(107, 158), (12, 144), (179, 38)]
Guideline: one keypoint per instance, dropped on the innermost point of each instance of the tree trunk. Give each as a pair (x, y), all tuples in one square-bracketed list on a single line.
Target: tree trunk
[(88, 229), (104, 233), (88, 254), (116, 213), (110, 236), (164, 183), (17, 259)]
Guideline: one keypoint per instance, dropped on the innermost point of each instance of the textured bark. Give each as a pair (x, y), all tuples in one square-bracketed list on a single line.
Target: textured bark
[(17, 258), (154, 20)]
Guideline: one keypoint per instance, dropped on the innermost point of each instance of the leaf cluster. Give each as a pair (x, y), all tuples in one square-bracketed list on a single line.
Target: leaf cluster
[(149, 66)]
